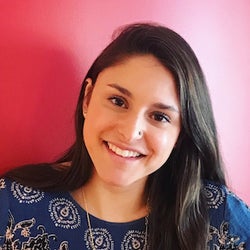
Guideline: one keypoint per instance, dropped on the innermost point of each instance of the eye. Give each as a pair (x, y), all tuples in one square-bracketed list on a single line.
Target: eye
[(118, 101), (161, 117)]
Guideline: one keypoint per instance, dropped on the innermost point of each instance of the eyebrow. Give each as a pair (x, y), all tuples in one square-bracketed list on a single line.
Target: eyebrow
[(120, 89), (157, 105), (160, 105)]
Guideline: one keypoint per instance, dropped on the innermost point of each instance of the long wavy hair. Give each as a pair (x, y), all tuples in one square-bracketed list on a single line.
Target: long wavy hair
[(178, 210)]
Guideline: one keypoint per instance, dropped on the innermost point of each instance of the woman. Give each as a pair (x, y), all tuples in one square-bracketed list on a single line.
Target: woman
[(144, 171)]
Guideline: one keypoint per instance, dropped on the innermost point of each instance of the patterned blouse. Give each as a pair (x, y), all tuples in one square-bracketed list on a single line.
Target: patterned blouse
[(33, 219)]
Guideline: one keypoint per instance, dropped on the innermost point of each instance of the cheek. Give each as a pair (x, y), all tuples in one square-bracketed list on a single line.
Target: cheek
[(96, 124), (163, 145)]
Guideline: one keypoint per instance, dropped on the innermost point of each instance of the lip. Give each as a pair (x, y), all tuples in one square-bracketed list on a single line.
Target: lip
[(123, 151)]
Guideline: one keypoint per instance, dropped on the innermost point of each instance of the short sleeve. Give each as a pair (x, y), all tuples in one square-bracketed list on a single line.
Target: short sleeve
[(237, 213), (229, 219)]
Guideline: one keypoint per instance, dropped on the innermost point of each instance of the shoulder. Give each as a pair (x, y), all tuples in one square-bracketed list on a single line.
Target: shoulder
[(14, 195), (14, 191), (229, 218), (34, 217)]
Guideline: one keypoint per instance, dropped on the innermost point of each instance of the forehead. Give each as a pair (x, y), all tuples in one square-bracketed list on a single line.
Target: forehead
[(137, 67), (144, 77)]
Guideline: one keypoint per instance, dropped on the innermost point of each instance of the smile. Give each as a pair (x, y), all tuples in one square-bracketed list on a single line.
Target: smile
[(122, 153)]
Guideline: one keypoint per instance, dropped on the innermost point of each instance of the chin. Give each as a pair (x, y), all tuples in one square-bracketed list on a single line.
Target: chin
[(118, 183), (124, 182)]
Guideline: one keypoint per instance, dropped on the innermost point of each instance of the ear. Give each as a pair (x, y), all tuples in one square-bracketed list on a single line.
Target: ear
[(87, 95)]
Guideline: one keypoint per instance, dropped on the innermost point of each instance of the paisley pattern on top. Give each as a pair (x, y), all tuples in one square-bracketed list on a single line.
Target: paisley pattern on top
[(31, 220)]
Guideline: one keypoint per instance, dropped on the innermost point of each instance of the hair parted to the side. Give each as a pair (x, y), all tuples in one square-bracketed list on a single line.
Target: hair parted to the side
[(178, 211)]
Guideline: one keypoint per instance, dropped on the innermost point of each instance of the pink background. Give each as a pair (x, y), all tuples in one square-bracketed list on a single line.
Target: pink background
[(46, 46)]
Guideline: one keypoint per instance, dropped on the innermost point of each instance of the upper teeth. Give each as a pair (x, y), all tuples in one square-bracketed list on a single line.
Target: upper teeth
[(123, 153)]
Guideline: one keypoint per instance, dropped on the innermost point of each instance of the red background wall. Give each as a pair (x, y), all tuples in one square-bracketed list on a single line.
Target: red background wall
[(47, 46)]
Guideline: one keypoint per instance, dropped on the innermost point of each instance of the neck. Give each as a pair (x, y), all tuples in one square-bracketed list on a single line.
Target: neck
[(112, 203)]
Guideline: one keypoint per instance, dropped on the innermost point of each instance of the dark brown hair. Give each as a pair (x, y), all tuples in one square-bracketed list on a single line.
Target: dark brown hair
[(178, 217)]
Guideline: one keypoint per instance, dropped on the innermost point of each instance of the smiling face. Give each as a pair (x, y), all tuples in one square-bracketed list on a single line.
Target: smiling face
[(132, 120)]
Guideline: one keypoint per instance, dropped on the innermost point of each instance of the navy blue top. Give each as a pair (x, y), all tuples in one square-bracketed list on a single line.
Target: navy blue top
[(33, 219)]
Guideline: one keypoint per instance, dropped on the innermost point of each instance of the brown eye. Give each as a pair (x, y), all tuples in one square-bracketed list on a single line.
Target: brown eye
[(118, 101), (160, 117)]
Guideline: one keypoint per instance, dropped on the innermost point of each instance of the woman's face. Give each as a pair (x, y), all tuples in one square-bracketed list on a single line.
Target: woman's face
[(132, 120)]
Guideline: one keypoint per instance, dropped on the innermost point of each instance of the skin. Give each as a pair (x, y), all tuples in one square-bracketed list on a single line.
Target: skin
[(132, 122)]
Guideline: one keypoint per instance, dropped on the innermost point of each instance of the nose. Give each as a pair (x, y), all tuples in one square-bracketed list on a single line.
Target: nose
[(131, 128)]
